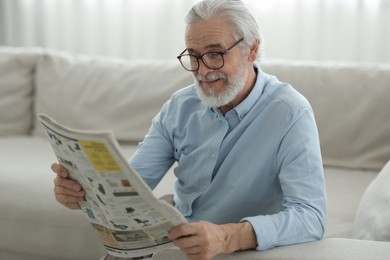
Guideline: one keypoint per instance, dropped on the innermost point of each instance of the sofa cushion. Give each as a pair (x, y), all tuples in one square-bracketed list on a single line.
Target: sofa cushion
[(31, 220), (97, 93), (344, 189), (351, 106), (372, 220), (16, 90)]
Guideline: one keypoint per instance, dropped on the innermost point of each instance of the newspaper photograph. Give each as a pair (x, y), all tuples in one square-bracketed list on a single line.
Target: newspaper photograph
[(127, 217)]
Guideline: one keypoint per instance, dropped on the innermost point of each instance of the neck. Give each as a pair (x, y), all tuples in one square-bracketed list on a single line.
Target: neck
[(243, 94)]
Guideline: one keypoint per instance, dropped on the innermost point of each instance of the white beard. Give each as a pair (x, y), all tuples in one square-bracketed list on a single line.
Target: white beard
[(233, 87)]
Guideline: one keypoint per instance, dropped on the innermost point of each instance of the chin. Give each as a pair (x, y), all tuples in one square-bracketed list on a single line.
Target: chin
[(213, 99)]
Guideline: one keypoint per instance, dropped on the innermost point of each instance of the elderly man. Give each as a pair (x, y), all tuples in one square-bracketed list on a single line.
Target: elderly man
[(249, 170)]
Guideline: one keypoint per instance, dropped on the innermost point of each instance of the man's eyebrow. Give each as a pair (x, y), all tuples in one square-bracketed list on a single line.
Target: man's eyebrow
[(215, 45), (210, 46)]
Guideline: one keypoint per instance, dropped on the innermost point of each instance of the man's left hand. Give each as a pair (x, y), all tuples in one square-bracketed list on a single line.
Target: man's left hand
[(203, 240)]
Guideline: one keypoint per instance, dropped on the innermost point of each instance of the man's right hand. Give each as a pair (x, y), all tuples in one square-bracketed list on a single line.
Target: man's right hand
[(68, 192)]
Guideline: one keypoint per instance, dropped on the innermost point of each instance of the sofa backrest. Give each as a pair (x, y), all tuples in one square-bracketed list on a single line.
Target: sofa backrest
[(351, 103), (100, 93), (16, 90)]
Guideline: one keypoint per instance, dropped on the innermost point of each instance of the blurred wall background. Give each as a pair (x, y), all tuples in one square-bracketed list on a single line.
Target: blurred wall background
[(325, 30)]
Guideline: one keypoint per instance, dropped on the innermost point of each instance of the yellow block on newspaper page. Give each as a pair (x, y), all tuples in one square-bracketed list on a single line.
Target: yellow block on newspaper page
[(99, 156)]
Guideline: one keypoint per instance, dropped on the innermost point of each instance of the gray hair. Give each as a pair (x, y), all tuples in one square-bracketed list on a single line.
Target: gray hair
[(237, 13)]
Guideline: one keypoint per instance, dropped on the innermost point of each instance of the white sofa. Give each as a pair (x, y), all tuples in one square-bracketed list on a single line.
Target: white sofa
[(350, 101)]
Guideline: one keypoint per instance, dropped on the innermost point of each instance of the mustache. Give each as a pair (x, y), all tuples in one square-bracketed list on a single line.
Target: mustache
[(212, 76)]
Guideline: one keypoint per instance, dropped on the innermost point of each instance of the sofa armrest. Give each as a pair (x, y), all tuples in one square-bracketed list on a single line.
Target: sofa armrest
[(327, 249)]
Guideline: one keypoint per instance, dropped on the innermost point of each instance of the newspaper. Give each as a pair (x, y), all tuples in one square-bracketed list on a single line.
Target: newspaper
[(129, 220)]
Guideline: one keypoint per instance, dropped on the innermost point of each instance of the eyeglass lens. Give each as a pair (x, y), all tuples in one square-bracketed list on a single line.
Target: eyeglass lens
[(212, 60)]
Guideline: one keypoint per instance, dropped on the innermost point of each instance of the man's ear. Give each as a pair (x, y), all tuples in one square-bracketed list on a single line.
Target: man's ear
[(253, 51)]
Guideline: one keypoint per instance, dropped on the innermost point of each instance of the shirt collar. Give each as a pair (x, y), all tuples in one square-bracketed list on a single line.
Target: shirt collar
[(243, 108)]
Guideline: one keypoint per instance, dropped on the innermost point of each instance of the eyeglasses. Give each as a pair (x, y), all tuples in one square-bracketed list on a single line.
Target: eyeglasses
[(212, 60)]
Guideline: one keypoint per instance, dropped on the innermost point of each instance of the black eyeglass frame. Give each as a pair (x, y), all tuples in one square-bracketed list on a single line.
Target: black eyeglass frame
[(222, 53)]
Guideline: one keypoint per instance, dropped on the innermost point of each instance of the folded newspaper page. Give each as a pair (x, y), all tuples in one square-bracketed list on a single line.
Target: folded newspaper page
[(127, 217)]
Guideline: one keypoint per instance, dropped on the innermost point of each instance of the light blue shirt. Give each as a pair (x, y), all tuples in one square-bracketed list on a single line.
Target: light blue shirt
[(261, 162)]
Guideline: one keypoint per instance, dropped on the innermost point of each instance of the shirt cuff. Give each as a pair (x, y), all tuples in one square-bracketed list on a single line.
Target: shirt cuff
[(266, 233)]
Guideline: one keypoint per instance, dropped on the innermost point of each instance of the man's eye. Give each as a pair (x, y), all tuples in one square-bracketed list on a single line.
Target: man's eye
[(213, 55)]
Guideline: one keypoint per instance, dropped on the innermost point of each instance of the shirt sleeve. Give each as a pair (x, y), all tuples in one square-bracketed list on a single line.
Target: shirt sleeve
[(299, 163), (154, 155)]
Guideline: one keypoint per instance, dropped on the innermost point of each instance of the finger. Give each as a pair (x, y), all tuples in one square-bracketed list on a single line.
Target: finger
[(67, 197), (60, 170), (183, 230), (61, 190), (67, 183), (187, 242), (72, 206), (68, 201)]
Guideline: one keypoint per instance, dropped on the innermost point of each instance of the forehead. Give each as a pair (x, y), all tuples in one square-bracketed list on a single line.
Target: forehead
[(206, 34)]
